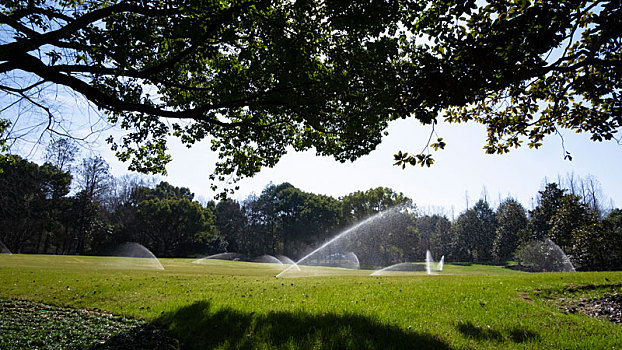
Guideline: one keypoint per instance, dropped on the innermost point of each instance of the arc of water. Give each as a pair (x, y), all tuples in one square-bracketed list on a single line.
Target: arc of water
[(351, 229), (428, 262), (354, 259), (267, 258), (137, 250), (405, 266), (219, 256), (4, 249), (440, 263), (287, 261), (567, 265)]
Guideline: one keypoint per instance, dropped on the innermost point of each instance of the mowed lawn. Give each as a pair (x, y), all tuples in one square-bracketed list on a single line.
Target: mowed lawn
[(229, 305)]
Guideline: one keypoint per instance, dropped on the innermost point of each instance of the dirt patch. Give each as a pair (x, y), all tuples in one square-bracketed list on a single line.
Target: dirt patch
[(602, 301), (607, 308), (525, 297)]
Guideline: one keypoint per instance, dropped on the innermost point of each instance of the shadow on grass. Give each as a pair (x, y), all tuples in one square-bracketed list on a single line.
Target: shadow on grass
[(516, 335), (145, 337), (199, 326)]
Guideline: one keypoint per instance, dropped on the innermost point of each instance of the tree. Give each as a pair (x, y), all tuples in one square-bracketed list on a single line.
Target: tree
[(259, 76), (175, 227), (93, 178), (549, 201), (263, 231), (594, 248), (611, 250), (542, 256), (571, 215), (86, 218), (498, 60), (511, 224), (320, 219), (306, 219), (362, 204), (588, 189), (164, 190), (435, 235), (30, 197), (256, 75), (442, 236), (474, 232), (574, 224), (4, 135), (125, 193), (61, 153), (390, 236), (230, 223), (164, 219)]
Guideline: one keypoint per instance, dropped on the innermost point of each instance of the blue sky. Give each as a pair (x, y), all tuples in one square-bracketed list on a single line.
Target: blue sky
[(462, 169)]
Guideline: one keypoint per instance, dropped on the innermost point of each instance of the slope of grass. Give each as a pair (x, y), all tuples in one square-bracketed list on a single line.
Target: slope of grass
[(227, 305)]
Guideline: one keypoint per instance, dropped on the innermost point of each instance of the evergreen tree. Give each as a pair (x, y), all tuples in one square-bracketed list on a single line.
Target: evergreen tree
[(511, 224), (474, 233), (549, 201)]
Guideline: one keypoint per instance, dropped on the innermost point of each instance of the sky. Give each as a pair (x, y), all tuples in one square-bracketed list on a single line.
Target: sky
[(461, 175)]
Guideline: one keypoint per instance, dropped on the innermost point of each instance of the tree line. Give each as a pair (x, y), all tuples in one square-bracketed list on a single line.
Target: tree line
[(65, 208)]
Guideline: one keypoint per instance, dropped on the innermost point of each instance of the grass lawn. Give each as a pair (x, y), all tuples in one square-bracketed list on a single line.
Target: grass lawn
[(230, 305)]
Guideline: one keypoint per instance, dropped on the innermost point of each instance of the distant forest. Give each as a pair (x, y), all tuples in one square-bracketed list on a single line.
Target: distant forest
[(76, 207)]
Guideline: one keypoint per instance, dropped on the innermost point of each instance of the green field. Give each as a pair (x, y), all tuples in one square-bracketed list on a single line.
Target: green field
[(229, 305)]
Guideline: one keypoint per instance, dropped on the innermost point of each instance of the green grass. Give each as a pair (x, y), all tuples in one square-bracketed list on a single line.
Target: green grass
[(228, 305)]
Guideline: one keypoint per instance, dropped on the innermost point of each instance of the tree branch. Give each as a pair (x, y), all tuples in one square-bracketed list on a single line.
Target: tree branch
[(194, 46), (21, 90), (21, 13), (105, 101), (37, 40)]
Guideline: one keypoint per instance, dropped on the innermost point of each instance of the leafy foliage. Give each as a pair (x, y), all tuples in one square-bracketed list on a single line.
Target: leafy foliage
[(362, 204), (31, 198), (541, 65), (548, 202), (259, 77), (254, 76), (570, 216), (175, 227), (511, 224), (435, 234), (598, 245), (474, 232)]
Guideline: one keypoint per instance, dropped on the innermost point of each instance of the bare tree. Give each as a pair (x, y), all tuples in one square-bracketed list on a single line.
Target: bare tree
[(61, 153), (589, 189), (93, 178)]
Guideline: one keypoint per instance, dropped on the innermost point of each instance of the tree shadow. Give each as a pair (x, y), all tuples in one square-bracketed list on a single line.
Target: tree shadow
[(144, 337), (516, 335), (199, 326), (519, 335)]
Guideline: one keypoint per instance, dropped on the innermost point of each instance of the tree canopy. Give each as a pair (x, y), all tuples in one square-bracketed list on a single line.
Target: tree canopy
[(257, 77)]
